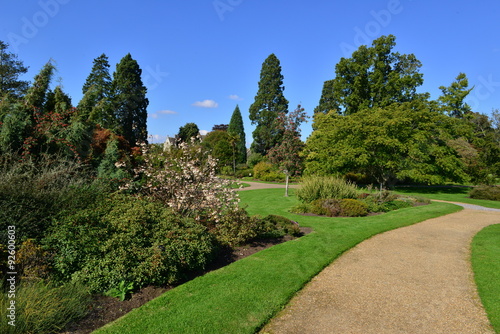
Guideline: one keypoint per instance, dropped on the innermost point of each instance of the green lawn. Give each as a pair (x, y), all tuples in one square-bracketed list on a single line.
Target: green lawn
[(242, 297), (486, 266), (452, 194)]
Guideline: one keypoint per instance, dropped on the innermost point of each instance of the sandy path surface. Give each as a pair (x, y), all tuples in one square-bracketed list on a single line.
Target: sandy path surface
[(258, 185), (416, 279)]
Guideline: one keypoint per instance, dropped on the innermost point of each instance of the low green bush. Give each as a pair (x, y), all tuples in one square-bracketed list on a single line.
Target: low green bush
[(395, 205), (491, 193), (325, 187), (128, 239), (353, 208), (274, 226), (44, 308)]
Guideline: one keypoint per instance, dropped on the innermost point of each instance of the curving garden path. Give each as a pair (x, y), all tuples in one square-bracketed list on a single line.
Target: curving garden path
[(416, 279)]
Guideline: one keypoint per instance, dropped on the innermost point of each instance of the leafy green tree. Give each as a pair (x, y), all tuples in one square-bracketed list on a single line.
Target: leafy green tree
[(10, 70), (218, 144), (400, 142), (237, 129), (287, 154), (37, 93), (452, 102), (97, 95), (130, 102), (188, 131), (327, 101), (269, 103), (375, 77)]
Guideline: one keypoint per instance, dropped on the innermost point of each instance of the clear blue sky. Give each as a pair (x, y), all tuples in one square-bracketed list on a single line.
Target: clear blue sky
[(202, 57)]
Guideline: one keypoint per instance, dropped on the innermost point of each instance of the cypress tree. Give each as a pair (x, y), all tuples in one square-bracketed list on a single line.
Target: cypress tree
[(130, 102), (269, 103), (236, 128), (327, 101)]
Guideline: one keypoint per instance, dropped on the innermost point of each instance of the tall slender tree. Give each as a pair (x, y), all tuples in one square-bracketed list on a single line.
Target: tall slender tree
[(97, 95), (237, 129), (130, 102), (269, 103), (10, 70)]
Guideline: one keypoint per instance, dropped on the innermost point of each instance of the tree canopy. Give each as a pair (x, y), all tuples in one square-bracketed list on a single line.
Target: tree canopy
[(400, 142), (375, 77), (10, 71)]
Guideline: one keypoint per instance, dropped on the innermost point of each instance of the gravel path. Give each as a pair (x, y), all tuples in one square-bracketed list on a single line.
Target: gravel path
[(415, 279), (258, 185)]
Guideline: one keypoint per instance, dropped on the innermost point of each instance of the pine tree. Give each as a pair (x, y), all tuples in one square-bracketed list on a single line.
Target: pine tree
[(269, 103), (130, 102), (10, 70), (237, 129), (97, 95), (327, 101)]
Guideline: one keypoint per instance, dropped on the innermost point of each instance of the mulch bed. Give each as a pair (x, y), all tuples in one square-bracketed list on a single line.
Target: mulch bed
[(105, 309)]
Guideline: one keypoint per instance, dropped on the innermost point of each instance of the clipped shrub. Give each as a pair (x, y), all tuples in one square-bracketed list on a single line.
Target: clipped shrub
[(262, 169), (491, 193), (274, 226), (317, 208), (235, 228), (325, 187), (353, 208), (45, 308)]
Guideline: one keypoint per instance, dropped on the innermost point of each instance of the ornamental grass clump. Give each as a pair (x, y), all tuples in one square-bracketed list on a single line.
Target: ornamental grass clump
[(325, 187)]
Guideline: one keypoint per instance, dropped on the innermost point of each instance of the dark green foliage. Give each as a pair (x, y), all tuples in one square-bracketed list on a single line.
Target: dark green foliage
[(237, 129), (33, 193), (188, 131), (274, 226), (491, 193), (375, 77), (269, 103), (327, 101), (57, 101), (128, 239), (10, 70), (130, 102), (97, 95)]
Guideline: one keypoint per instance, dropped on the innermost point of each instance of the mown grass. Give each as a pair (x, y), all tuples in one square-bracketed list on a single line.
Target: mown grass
[(452, 194), (242, 297), (486, 266)]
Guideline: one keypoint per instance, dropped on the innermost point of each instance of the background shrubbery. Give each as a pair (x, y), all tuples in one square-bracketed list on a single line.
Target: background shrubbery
[(491, 193), (330, 196)]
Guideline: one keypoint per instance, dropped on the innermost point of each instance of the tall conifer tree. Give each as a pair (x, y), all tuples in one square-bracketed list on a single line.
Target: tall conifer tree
[(97, 95), (237, 129), (130, 102), (10, 70), (269, 103)]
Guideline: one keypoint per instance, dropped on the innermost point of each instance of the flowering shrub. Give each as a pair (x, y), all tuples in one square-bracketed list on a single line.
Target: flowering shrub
[(185, 180)]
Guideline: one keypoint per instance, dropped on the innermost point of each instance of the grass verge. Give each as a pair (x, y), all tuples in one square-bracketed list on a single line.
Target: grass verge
[(452, 194), (242, 297), (486, 266)]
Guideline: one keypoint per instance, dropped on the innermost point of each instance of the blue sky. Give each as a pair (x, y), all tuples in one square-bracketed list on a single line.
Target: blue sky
[(201, 58)]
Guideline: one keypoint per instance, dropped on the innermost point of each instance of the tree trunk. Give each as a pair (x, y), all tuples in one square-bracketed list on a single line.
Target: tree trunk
[(286, 186)]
